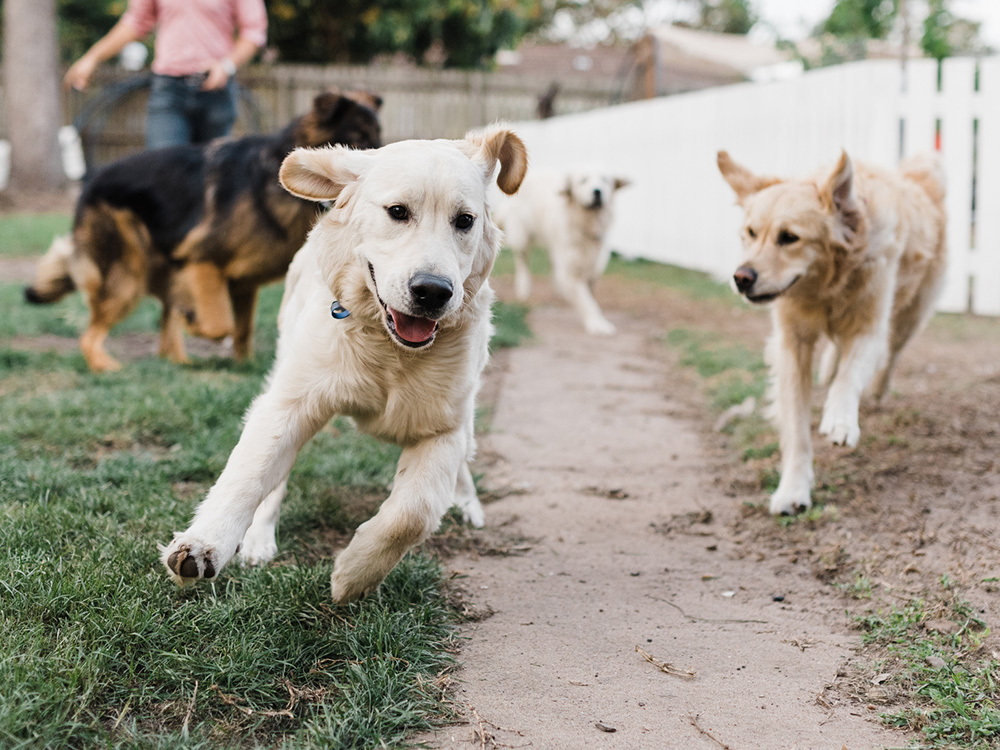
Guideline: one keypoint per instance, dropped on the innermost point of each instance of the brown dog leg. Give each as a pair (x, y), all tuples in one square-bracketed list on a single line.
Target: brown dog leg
[(244, 308), (110, 303), (172, 337)]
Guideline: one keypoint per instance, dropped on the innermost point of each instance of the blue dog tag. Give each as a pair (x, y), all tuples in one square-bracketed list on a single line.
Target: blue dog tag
[(338, 311)]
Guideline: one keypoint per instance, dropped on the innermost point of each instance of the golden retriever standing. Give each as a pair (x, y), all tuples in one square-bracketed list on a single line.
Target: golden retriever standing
[(857, 255), (385, 318), (569, 214)]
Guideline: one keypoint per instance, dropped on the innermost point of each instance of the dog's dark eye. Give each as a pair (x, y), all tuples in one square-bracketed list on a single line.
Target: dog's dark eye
[(464, 221), (787, 238), (751, 234), (398, 212)]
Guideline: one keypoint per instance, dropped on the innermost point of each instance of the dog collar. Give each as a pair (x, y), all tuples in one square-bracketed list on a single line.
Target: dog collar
[(338, 311)]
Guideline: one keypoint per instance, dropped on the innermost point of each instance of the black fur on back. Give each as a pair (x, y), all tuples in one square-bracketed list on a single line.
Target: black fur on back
[(170, 189)]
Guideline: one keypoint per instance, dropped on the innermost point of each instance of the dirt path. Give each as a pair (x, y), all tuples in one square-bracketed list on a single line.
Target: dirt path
[(627, 545)]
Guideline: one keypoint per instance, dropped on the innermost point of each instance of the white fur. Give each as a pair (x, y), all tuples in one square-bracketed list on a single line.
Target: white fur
[(420, 398), (558, 211)]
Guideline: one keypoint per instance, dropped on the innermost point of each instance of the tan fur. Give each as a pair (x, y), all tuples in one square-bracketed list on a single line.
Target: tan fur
[(419, 395), (856, 254), (112, 283)]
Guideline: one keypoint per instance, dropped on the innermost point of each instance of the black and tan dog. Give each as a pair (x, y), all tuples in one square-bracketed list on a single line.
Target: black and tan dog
[(199, 227)]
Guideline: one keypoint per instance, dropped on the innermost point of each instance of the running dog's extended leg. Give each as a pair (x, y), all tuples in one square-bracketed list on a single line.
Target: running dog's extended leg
[(860, 358), (259, 543), (277, 426), (423, 491), (790, 357)]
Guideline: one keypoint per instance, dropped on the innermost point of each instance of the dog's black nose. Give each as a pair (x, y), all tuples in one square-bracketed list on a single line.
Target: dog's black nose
[(744, 278), (431, 292), (598, 198)]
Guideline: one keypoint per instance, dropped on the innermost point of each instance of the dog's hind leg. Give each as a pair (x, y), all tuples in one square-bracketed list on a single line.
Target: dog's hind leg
[(172, 336), (467, 500), (522, 273), (828, 363), (907, 322), (110, 267), (582, 299), (423, 491), (259, 543), (110, 303)]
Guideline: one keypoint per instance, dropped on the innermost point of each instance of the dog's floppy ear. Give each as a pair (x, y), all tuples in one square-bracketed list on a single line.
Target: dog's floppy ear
[(320, 174), (743, 182), (841, 200), (498, 143), (621, 182)]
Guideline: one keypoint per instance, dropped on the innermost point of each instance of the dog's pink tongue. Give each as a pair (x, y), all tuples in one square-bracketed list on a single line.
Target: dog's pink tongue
[(414, 330)]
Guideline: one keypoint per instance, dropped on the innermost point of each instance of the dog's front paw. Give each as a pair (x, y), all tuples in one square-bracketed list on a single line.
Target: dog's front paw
[(791, 498), (472, 512), (345, 588), (258, 551), (600, 327), (841, 429), (188, 560)]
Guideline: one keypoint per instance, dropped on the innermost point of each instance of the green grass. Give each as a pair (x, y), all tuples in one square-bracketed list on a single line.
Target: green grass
[(694, 284), (956, 691), (99, 650), (511, 323), (30, 234)]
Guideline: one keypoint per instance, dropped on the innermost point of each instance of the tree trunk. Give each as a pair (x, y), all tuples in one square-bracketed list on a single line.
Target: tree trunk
[(31, 93)]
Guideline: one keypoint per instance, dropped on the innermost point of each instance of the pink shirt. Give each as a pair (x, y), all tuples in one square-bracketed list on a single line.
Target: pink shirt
[(193, 34)]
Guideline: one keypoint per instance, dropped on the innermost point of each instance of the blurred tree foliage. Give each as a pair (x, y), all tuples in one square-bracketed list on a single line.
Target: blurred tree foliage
[(853, 22), (945, 34), (725, 16), (83, 22), (865, 19), (454, 33)]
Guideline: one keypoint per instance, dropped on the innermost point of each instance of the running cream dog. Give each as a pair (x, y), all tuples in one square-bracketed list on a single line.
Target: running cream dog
[(385, 318), (569, 215), (857, 255)]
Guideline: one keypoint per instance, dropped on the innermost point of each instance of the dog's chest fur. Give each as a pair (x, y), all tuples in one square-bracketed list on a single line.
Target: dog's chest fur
[(392, 393)]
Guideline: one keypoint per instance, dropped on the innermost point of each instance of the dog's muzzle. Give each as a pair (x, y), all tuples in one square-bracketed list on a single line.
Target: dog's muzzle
[(744, 279), (430, 293)]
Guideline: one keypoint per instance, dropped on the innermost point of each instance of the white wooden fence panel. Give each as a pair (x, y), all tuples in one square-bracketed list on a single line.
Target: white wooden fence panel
[(956, 111), (986, 254), (679, 210)]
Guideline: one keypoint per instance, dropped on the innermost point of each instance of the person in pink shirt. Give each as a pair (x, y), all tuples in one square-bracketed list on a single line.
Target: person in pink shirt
[(199, 46)]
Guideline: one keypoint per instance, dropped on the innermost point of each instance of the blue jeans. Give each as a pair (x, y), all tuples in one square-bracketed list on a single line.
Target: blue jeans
[(180, 112)]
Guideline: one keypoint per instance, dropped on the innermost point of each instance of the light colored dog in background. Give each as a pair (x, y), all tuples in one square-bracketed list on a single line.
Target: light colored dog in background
[(569, 215), (385, 318), (856, 254)]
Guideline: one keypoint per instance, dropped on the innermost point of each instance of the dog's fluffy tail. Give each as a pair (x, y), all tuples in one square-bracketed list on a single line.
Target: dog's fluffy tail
[(53, 280), (926, 171)]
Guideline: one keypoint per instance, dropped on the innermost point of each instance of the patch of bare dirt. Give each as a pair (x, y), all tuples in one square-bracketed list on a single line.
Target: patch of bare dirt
[(649, 534)]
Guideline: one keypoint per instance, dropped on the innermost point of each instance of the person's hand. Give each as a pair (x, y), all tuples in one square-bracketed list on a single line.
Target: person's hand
[(79, 73), (218, 75)]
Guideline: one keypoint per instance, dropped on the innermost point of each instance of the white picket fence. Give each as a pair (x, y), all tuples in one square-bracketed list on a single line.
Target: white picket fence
[(679, 210)]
